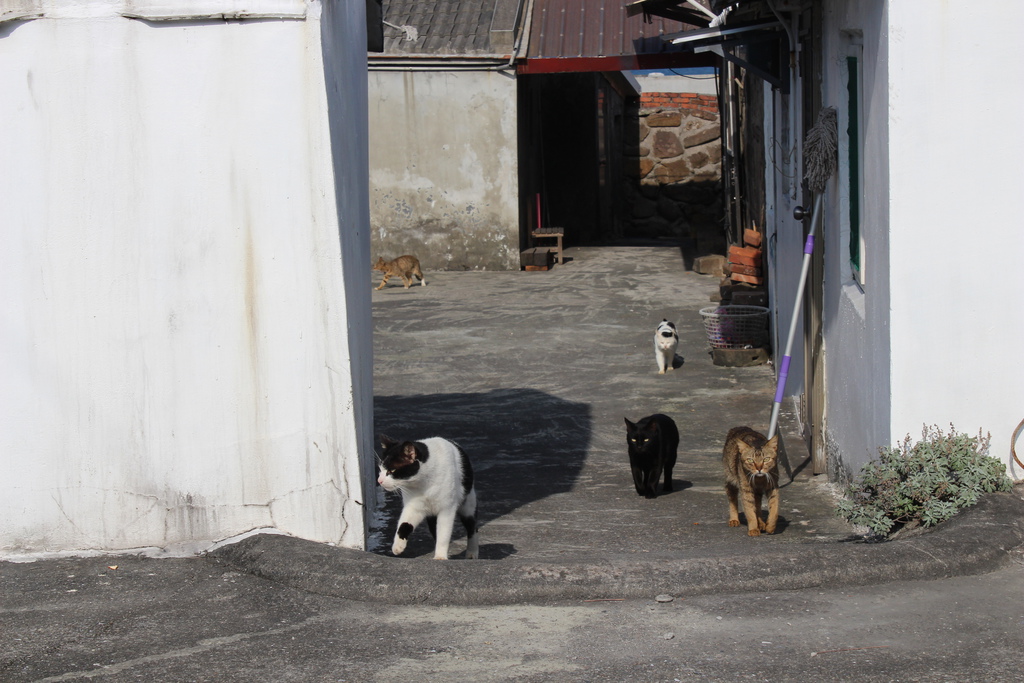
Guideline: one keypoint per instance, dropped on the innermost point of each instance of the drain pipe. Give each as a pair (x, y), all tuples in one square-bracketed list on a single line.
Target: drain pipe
[(734, 151), (435, 64), (795, 110), (522, 40)]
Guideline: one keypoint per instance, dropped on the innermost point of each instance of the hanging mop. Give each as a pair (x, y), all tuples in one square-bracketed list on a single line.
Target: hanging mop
[(820, 160)]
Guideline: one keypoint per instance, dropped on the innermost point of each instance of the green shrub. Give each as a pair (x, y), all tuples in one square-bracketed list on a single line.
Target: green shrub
[(922, 484)]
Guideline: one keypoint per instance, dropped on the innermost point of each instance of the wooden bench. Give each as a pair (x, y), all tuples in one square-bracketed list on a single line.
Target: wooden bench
[(549, 234)]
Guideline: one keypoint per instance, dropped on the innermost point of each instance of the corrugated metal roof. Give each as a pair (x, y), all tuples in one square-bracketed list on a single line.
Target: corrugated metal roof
[(599, 31), (595, 28), (565, 35)]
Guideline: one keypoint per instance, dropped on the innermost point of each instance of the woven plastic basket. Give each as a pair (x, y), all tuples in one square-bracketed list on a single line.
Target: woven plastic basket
[(736, 327)]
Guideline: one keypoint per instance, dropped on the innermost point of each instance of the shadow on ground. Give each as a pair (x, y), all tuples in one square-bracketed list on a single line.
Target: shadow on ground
[(525, 445)]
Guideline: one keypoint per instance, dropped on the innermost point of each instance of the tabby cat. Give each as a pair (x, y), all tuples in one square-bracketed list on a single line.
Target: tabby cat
[(652, 443), (403, 266), (436, 482), (752, 469)]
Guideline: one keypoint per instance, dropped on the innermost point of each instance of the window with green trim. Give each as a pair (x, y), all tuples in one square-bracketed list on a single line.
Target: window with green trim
[(854, 149)]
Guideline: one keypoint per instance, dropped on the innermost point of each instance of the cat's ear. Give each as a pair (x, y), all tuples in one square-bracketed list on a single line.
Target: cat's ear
[(773, 444), (745, 449), (629, 425), (386, 441)]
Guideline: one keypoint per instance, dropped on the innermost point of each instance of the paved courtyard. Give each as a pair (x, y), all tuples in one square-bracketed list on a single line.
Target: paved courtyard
[(533, 373)]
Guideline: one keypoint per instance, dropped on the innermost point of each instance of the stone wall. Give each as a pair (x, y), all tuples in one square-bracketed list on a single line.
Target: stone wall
[(675, 164)]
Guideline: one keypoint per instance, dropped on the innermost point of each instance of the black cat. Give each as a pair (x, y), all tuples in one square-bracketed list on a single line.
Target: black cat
[(652, 443)]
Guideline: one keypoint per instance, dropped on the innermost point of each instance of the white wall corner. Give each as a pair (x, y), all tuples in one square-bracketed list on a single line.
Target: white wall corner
[(155, 10), (20, 10), (180, 10)]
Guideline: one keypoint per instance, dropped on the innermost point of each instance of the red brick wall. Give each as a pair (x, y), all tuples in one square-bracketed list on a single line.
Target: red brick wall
[(680, 100)]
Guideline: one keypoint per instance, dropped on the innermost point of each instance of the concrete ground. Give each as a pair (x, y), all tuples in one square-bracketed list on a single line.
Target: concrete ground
[(192, 619), (533, 373), (580, 579)]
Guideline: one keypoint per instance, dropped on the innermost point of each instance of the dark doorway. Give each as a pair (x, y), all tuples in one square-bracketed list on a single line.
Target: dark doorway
[(570, 161)]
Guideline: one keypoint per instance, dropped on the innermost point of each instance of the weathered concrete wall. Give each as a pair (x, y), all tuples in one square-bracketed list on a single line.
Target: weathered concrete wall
[(443, 168), (182, 309)]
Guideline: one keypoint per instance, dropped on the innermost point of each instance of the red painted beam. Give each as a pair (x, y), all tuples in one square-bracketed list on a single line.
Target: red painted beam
[(670, 60)]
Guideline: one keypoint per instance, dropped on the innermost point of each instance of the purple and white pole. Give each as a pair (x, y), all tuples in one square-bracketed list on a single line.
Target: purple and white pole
[(788, 355)]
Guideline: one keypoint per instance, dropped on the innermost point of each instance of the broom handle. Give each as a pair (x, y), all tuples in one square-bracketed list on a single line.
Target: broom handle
[(787, 357)]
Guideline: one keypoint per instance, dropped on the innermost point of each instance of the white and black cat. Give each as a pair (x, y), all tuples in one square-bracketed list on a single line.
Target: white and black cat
[(652, 443), (436, 482), (666, 341)]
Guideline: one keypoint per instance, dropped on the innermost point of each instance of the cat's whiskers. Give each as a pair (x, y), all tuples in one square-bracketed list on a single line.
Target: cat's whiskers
[(753, 477)]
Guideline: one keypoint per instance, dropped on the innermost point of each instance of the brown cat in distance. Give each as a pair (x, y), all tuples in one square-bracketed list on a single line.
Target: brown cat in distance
[(752, 469), (403, 266)]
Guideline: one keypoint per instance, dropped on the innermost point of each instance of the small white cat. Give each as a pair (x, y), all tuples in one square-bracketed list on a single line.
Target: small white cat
[(666, 341), (436, 482)]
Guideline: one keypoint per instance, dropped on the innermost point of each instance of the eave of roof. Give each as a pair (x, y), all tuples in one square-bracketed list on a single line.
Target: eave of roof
[(673, 60), (680, 10), (562, 35), (595, 35)]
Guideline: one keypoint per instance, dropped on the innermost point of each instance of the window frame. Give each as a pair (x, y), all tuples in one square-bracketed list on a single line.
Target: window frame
[(854, 77)]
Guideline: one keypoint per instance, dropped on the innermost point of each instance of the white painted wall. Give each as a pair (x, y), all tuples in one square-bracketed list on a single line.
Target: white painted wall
[(184, 276), (444, 168), (957, 172), (703, 84), (931, 340)]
